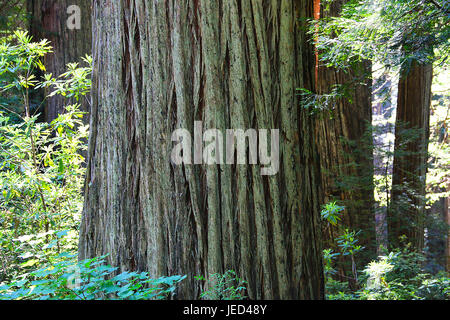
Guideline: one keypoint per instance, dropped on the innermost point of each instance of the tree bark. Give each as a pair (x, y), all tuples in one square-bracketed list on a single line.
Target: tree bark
[(447, 238), (49, 20), (344, 138), (160, 66), (406, 215)]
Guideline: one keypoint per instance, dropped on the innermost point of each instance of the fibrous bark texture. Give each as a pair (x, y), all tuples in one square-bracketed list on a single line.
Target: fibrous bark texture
[(160, 66), (49, 20), (345, 146), (406, 215)]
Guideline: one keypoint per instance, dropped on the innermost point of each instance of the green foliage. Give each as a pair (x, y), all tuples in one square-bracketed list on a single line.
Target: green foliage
[(328, 259), (41, 167), (376, 272), (19, 59), (437, 288), (225, 286), (348, 242), (331, 212), (76, 82), (337, 290), (398, 275), (90, 279), (393, 32), (324, 102), (14, 15), (41, 177)]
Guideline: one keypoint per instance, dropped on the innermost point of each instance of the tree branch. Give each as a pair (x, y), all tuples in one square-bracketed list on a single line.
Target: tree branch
[(437, 5)]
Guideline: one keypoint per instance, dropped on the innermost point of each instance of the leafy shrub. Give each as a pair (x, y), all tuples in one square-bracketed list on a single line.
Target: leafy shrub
[(41, 167), (90, 279), (332, 212), (328, 258), (407, 263), (347, 242), (225, 286), (20, 57), (435, 289), (337, 290), (398, 276), (75, 83)]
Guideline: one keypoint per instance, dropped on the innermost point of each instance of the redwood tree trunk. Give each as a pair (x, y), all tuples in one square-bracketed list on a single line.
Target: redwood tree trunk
[(49, 20), (406, 215), (447, 219), (160, 66), (345, 145)]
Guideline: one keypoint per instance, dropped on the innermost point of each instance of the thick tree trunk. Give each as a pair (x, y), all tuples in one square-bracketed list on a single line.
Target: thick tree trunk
[(160, 66), (406, 215), (49, 19), (345, 145)]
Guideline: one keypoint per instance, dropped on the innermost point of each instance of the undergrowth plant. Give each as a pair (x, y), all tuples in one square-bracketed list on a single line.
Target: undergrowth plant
[(398, 274), (227, 286), (90, 279), (41, 166)]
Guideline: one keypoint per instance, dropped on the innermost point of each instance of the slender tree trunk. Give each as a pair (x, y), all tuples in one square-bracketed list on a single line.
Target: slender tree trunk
[(160, 66), (447, 220), (49, 19), (406, 215), (344, 141)]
